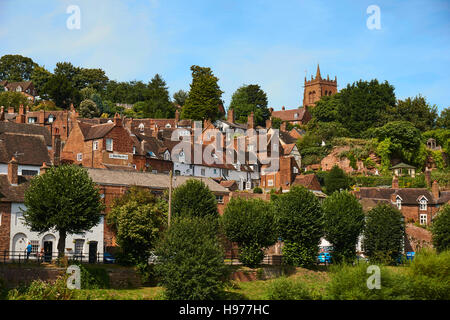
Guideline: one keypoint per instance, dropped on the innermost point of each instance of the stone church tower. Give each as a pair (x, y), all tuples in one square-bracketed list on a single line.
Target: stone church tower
[(318, 87)]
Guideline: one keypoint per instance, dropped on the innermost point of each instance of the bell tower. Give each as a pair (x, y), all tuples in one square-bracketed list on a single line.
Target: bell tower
[(317, 87)]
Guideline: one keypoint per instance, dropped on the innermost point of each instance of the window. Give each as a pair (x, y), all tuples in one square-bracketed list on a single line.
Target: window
[(109, 144), (79, 243), (134, 150), (168, 125), (31, 120), (95, 145), (30, 172), (215, 171), (423, 204), (219, 199), (141, 127), (51, 118), (202, 172), (167, 155), (270, 182), (399, 203), (423, 219), (79, 157), (248, 185), (294, 169), (34, 246)]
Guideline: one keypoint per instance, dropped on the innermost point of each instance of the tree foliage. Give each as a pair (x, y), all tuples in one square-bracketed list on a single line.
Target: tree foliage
[(13, 99), (299, 220), (247, 99), (250, 223), (204, 96), (343, 224), (191, 260), (336, 180), (16, 67), (64, 199), (384, 233), (88, 109), (441, 229)]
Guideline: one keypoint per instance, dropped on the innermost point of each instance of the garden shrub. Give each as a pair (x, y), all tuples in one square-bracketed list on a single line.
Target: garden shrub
[(284, 288), (40, 290)]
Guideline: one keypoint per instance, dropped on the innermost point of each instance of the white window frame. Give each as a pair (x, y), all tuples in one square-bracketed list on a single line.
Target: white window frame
[(398, 201), (109, 144), (423, 204), (95, 145), (79, 157), (270, 182), (423, 219), (219, 198)]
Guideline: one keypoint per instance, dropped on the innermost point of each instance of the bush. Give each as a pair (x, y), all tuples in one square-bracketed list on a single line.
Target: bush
[(285, 288), (93, 278), (191, 260), (349, 282), (336, 180), (440, 229), (40, 290), (429, 275), (257, 190)]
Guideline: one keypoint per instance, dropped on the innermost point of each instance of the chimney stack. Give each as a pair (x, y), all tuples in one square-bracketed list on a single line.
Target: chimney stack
[(56, 149), (177, 118), (282, 108), (13, 171), (44, 168), (394, 182), (251, 121), (10, 109), (230, 115), (42, 117), (21, 117), (117, 120), (435, 190)]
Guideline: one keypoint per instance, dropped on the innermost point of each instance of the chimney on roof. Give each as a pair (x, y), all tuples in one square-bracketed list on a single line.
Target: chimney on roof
[(21, 117), (56, 149), (251, 121), (271, 110), (117, 120), (283, 108), (44, 168), (10, 109), (42, 117), (230, 115), (177, 118), (394, 182), (13, 171), (435, 190)]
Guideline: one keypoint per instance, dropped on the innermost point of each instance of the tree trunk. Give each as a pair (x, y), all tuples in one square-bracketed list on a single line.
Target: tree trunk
[(61, 243)]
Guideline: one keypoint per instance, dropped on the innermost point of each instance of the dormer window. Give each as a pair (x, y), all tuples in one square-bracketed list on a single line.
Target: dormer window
[(168, 126), (398, 201), (423, 204), (51, 118)]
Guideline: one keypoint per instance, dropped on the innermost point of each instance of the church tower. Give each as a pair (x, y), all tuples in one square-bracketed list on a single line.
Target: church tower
[(317, 88)]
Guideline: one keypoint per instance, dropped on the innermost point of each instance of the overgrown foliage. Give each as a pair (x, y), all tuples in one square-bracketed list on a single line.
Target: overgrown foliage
[(441, 229)]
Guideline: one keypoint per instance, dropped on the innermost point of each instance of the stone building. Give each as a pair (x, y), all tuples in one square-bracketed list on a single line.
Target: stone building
[(318, 87)]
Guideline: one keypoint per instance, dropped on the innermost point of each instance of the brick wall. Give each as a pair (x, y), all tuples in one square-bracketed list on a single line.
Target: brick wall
[(5, 225)]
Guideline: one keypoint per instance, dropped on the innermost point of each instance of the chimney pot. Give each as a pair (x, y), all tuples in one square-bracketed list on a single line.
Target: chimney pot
[(13, 171), (435, 190)]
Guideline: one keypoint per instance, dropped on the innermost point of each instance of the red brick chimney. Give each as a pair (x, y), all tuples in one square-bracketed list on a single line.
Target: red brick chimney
[(230, 115), (42, 117), (435, 190), (283, 108), (44, 168), (13, 171), (117, 120), (394, 182), (251, 121), (21, 117), (177, 118), (56, 149)]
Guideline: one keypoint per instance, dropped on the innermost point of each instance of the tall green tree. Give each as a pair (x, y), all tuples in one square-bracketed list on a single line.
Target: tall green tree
[(440, 229), (61, 91), (14, 67), (204, 96), (251, 224), (384, 233), (158, 104), (179, 97), (138, 219), (247, 99), (40, 76), (64, 199), (444, 119), (88, 109), (299, 221), (336, 180), (343, 224)]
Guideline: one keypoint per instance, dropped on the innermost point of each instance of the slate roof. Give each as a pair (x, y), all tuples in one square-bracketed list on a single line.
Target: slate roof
[(146, 179), (25, 128), (26, 148), (13, 193)]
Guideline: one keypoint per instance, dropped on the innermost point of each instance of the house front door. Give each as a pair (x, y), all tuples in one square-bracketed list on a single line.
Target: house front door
[(48, 250), (93, 252)]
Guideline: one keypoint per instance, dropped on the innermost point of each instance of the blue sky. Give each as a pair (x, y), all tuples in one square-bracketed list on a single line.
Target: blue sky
[(270, 43)]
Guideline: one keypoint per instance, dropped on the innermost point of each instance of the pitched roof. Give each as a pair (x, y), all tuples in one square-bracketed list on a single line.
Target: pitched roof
[(26, 148), (96, 131), (146, 179), (13, 193), (290, 115), (309, 181), (25, 128), (408, 195)]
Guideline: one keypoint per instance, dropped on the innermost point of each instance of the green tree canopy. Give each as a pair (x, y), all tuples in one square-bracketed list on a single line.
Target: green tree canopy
[(251, 224), (343, 224), (299, 220), (179, 97), (444, 119), (336, 180), (13, 99), (194, 199), (204, 96), (14, 67), (191, 260), (64, 199), (441, 229), (88, 109), (247, 99), (384, 233), (138, 219), (61, 91), (40, 76)]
